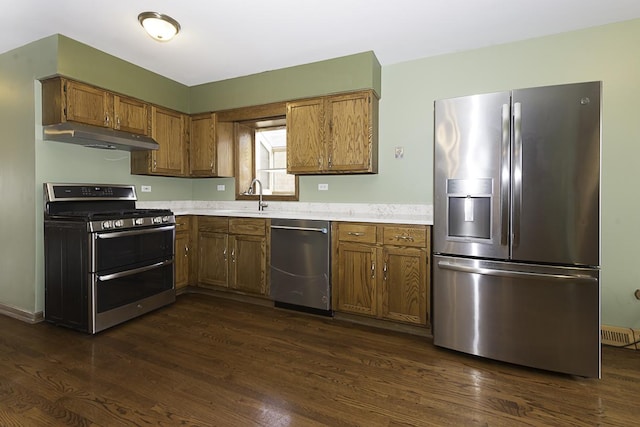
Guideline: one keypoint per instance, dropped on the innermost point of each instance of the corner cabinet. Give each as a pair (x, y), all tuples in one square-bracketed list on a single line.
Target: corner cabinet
[(211, 147), (382, 271), (333, 134), (65, 100), (233, 254), (169, 129)]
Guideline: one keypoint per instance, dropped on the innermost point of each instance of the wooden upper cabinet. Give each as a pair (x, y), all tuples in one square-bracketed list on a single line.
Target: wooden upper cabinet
[(210, 147), (168, 128), (66, 100), (88, 104), (305, 136), (131, 115), (333, 134), (350, 133)]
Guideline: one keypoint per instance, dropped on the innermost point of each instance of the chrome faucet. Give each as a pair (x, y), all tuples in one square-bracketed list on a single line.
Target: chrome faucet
[(261, 204)]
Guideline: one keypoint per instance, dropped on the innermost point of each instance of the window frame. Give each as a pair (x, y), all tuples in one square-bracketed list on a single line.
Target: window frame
[(245, 121)]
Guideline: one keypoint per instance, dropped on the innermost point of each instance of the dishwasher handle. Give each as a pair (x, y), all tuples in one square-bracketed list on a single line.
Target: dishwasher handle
[(322, 230)]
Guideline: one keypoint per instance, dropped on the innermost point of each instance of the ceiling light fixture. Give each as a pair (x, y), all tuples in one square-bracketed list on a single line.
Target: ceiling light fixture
[(161, 27)]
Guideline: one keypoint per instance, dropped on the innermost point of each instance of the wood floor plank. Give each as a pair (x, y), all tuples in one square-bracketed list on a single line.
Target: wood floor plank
[(208, 361)]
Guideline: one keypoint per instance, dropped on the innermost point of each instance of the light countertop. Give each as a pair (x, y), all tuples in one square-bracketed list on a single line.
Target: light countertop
[(352, 212)]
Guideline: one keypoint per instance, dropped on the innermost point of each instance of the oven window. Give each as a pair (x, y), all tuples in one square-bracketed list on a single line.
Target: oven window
[(116, 292), (129, 249)]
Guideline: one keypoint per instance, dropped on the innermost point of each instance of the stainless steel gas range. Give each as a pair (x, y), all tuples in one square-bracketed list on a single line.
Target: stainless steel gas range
[(106, 262)]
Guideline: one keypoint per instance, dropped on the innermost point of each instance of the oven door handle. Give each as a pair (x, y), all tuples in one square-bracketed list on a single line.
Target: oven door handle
[(120, 274), (116, 234)]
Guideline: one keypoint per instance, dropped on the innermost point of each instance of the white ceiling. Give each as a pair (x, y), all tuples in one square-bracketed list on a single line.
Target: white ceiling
[(222, 39)]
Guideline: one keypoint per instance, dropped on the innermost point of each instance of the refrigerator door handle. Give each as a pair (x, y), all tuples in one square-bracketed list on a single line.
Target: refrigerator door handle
[(509, 273), (504, 176), (517, 172)]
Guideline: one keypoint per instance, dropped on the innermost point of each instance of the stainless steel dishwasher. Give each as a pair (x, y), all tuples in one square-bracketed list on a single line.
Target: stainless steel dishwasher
[(300, 265)]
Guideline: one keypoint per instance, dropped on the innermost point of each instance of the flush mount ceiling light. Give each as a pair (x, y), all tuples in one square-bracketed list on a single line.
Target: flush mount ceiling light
[(160, 27)]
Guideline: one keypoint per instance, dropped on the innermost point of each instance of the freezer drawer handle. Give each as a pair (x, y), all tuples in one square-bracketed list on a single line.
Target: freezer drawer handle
[(506, 273)]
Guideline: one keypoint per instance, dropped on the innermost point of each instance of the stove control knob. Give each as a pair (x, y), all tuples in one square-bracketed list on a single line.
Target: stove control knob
[(165, 219), (157, 220), (106, 224), (139, 221), (119, 223)]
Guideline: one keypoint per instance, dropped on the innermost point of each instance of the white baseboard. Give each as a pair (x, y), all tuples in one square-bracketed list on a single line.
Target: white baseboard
[(19, 314)]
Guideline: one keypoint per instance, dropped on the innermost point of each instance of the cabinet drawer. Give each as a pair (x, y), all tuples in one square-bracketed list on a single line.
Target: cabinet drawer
[(405, 236), (250, 226), (183, 223), (213, 223), (362, 233)]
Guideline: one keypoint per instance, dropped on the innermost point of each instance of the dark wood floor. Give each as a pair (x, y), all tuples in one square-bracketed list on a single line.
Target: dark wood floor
[(212, 362)]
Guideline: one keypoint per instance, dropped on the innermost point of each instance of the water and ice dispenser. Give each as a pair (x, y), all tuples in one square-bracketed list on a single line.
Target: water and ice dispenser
[(469, 208)]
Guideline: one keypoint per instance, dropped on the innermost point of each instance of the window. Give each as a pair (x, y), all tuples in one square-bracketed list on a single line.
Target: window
[(260, 135), (271, 162)]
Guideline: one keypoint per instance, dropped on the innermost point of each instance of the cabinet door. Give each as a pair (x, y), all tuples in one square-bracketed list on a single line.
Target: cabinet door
[(404, 284), (212, 258), (183, 245), (305, 136), (248, 263), (87, 104), (131, 115), (168, 129), (202, 153), (349, 133), (357, 278)]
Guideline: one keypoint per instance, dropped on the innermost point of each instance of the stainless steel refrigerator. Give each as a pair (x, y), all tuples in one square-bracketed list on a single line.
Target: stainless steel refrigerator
[(516, 236)]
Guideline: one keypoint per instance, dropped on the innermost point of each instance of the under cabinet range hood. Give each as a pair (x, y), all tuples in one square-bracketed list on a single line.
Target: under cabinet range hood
[(97, 137)]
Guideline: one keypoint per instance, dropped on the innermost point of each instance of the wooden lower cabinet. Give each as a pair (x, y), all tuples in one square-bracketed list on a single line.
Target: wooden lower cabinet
[(404, 295), (382, 271), (356, 267), (248, 264), (183, 246), (233, 254)]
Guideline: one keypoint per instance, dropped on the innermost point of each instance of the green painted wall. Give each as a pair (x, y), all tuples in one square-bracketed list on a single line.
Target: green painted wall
[(18, 69), (347, 73), (84, 63)]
